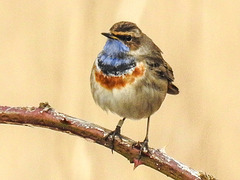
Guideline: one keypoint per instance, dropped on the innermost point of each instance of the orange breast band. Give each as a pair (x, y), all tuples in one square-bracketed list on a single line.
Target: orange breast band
[(118, 82)]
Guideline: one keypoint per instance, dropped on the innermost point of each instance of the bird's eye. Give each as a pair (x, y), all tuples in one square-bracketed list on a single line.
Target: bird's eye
[(124, 37), (128, 38)]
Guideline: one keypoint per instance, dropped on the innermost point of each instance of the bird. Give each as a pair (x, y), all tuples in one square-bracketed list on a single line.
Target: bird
[(130, 77)]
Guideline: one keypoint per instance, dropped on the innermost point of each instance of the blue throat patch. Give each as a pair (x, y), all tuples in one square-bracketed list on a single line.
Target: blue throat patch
[(114, 59)]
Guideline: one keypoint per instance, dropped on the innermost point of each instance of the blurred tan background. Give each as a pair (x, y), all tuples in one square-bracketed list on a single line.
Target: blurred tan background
[(47, 48)]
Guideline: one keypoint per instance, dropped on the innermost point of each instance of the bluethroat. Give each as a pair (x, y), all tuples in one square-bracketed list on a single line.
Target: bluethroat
[(130, 77)]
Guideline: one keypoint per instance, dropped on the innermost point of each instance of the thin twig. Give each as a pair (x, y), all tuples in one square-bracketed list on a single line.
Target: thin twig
[(45, 116)]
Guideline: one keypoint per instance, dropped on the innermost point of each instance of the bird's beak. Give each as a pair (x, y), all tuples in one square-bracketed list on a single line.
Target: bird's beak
[(109, 35)]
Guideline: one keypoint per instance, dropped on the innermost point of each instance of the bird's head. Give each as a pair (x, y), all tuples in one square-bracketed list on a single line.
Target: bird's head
[(127, 33)]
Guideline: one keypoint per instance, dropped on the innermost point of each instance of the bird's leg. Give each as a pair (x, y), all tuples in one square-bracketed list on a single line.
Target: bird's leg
[(116, 132), (144, 145)]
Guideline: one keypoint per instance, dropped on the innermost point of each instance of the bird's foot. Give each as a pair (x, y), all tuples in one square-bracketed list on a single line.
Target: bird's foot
[(143, 148), (113, 134)]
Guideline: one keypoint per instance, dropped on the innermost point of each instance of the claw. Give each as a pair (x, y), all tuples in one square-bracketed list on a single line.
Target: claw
[(116, 132), (113, 134), (143, 148)]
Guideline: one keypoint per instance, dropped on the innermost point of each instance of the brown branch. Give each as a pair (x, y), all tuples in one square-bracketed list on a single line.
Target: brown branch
[(47, 117)]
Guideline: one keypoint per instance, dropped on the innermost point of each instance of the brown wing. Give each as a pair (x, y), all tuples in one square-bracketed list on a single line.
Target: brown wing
[(163, 70)]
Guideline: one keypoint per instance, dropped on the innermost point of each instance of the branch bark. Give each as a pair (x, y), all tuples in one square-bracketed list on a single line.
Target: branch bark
[(46, 117)]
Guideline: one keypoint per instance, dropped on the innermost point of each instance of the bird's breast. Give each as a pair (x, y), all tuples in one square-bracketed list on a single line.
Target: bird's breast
[(117, 82)]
